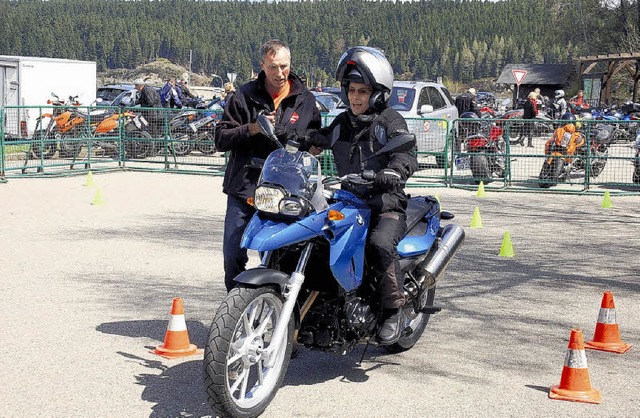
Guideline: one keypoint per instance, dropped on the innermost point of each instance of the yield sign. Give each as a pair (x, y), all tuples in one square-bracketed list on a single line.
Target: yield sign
[(519, 75)]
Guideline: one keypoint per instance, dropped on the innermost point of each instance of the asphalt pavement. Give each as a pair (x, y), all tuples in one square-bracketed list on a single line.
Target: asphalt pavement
[(86, 290)]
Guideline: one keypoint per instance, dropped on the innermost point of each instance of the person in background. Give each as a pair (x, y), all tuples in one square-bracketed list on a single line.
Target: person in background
[(185, 89), (560, 104), (229, 91), (169, 95), (148, 97), (354, 136), (530, 112), (319, 86), (287, 102), (466, 102), (579, 101)]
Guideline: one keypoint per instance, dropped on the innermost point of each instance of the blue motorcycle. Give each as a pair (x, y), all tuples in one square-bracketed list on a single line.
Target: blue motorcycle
[(314, 285)]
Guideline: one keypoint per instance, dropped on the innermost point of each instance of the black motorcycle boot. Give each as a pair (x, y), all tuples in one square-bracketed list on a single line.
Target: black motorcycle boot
[(391, 329)]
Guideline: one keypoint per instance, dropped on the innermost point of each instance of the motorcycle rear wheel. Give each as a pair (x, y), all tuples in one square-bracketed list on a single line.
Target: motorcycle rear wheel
[(139, 144), (480, 170), (237, 381), (636, 174), (418, 323)]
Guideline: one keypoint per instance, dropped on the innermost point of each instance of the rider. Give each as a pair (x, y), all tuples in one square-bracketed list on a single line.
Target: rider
[(566, 136), (561, 102), (366, 78)]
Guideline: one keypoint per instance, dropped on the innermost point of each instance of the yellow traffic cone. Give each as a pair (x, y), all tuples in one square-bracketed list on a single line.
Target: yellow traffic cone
[(89, 180), (480, 192), (476, 221), (606, 201), (506, 250), (98, 200)]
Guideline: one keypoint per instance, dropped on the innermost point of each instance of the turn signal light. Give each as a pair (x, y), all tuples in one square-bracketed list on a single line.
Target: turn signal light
[(335, 215), (250, 201)]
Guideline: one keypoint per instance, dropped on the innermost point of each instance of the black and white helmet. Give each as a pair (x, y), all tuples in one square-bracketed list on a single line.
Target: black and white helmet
[(559, 94), (363, 64)]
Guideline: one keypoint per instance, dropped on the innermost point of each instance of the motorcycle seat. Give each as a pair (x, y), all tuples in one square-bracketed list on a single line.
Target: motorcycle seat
[(417, 209)]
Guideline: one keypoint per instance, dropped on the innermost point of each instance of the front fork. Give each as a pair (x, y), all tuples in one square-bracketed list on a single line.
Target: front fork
[(290, 294)]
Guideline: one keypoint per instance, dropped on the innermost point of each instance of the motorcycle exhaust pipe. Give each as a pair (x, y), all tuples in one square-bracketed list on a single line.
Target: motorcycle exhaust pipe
[(430, 270)]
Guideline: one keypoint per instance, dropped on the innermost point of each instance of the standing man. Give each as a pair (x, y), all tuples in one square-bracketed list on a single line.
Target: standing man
[(287, 102), (530, 113), (148, 97), (466, 102)]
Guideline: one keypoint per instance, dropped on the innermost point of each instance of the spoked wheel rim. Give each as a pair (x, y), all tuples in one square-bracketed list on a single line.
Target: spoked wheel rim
[(248, 379), (181, 145)]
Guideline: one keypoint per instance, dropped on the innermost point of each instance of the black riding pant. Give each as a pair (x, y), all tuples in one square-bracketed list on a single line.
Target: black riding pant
[(386, 231)]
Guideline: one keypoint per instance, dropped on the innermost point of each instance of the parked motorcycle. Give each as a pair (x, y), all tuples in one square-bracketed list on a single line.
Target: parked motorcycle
[(487, 154), (314, 285), (103, 127), (569, 152), (195, 129), (51, 128)]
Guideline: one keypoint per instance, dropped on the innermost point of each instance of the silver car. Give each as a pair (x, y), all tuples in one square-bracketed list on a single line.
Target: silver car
[(429, 110)]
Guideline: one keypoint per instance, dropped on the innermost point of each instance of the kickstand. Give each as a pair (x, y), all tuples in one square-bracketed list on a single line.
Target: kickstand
[(363, 353)]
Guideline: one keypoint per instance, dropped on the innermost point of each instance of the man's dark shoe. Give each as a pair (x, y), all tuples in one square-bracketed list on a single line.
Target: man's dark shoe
[(391, 329)]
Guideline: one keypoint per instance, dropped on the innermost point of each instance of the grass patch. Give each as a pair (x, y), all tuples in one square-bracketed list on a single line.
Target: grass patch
[(15, 149)]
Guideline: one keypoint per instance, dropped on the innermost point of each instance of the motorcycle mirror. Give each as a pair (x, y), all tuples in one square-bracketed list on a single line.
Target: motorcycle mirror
[(397, 143), (126, 101), (267, 128)]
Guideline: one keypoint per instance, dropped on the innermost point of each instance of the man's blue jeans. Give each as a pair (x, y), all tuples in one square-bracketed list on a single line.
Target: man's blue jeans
[(236, 219)]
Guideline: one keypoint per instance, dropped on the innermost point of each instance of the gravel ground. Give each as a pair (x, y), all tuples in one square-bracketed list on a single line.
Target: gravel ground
[(85, 293)]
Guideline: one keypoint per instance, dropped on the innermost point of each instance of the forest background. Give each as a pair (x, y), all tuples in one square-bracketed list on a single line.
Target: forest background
[(458, 40)]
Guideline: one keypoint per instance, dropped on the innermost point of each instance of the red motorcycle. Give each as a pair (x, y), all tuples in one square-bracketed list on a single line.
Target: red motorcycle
[(486, 149)]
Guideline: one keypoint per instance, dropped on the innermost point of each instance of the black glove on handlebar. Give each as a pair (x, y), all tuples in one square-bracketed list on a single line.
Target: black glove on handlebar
[(387, 178)]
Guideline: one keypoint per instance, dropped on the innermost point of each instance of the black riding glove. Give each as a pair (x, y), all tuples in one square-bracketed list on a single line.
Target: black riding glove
[(387, 178)]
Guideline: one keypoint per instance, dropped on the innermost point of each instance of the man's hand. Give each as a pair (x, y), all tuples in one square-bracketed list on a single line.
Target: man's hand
[(254, 127), (387, 178)]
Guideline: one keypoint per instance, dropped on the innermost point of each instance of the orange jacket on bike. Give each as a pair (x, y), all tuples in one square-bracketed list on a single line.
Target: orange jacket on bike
[(566, 137)]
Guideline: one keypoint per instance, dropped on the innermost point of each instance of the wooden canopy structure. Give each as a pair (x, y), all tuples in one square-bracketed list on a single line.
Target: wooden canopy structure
[(629, 61)]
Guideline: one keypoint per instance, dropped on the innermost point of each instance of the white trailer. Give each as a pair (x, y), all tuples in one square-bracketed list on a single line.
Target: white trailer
[(29, 81)]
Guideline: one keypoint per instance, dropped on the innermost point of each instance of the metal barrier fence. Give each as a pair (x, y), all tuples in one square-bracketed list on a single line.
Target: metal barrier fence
[(458, 153), (62, 140)]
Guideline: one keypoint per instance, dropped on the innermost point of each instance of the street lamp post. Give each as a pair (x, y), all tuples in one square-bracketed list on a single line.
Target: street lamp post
[(216, 76)]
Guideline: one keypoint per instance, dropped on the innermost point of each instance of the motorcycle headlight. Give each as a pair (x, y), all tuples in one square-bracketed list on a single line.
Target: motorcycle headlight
[(267, 199), (293, 206)]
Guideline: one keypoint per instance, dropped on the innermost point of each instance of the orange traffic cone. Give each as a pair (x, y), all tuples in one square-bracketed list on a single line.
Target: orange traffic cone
[(574, 382), (607, 335), (176, 340)]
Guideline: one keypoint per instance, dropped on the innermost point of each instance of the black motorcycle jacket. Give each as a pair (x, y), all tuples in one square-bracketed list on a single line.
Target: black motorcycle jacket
[(353, 139), (296, 116)]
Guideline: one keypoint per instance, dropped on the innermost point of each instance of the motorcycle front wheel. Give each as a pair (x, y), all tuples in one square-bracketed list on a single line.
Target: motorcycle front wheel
[(237, 380), (636, 173), (550, 173), (419, 321), (181, 144), (69, 145), (206, 144), (43, 141)]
